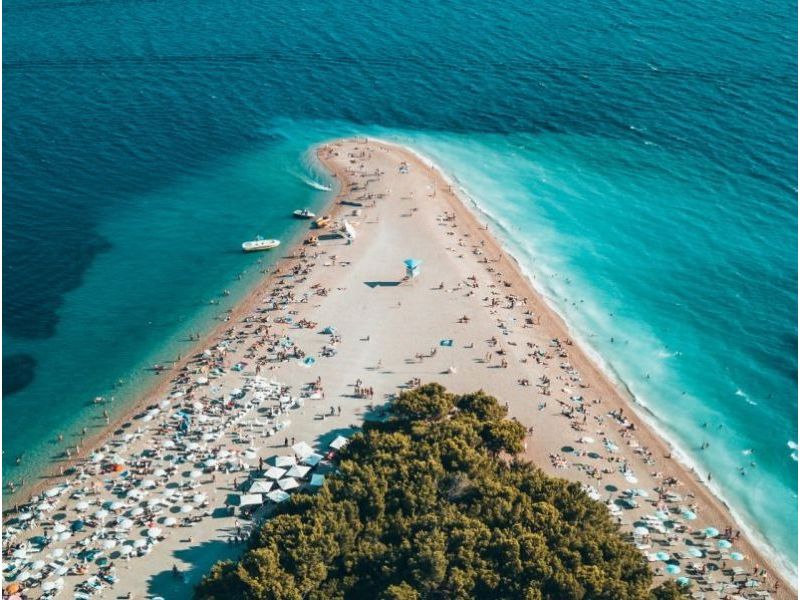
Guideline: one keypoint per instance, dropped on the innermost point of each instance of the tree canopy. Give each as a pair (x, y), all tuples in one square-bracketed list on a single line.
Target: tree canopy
[(431, 504)]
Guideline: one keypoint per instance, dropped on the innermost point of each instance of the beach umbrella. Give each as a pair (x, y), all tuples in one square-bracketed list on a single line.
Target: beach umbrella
[(100, 514), (737, 556), (298, 471), (159, 473), (278, 496), (288, 484), (170, 522), (82, 506), (48, 586), (77, 525), (19, 553), (54, 491), (187, 508), (125, 550), (125, 524), (13, 588), (210, 463), (661, 515), (339, 443), (724, 544), (682, 581), (154, 532), (250, 455), (688, 515), (695, 552), (673, 569), (710, 532), (196, 474), (137, 511), (96, 457), (202, 380), (58, 552), (153, 502), (24, 576), (317, 480), (26, 516), (198, 498), (116, 505), (63, 536), (641, 531), (140, 543), (285, 461), (302, 449), (663, 556), (275, 473), (37, 565), (168, 444), (109, 544), (148, 484), (223, 453)]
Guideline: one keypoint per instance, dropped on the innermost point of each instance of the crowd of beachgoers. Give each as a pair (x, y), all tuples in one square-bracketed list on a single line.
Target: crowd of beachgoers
[(259, 412)]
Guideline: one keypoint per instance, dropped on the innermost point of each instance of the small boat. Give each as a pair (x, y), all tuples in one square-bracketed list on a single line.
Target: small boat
[(322, 222), (259, 244), (303, 214)]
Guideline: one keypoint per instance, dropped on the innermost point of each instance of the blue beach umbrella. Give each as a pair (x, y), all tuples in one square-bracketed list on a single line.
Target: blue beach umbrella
[(673, 569), (689, 515), (77, 525), (711, 532), (663, 556), (661, 515), (724, 544), (412, 263), (695, 552), (682, 581), (737, 556)]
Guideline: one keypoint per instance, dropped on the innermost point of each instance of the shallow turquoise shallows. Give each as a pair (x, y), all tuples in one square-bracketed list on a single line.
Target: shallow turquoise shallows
[(638, 158)]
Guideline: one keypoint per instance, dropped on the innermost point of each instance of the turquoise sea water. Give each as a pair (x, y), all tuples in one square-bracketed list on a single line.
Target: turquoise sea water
[(639, 160)]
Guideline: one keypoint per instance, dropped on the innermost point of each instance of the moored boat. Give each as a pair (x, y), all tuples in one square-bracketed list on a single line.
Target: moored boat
[(259, 244), (303, 214)]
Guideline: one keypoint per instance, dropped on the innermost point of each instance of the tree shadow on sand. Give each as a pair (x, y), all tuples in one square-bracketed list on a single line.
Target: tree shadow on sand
[(199, 558)]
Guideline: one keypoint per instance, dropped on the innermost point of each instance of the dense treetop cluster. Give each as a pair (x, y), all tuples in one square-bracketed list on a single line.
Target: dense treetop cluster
[(432, 504)]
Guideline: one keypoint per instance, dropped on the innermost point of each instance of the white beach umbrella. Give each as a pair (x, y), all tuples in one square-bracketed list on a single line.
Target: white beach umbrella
[(170, 521), (312, 459), (48, 586), (641, 531), (26, 516), (148, 484), (302, 449), (168, 444), (285, 461), (154, 532), (82, 506), (125, 550), (339, 443), (100, 514), (59, 528), (125, 524), (275, 473), (298, 471), (58, 552), (196, 474), (249, 455), (115, 505), (140, 543), (19, 553), (37, 565), (223, 454), (278, 496), (109, 544), (192, 446), (288, 483), (63, 536), (96, 457), (159, 473), (199, 498), (137, 511), (187, 508), (54, 491)]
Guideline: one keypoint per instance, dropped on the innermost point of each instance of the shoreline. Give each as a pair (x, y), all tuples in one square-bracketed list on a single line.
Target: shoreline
[(613, 392), (162, 381), (641, 409)]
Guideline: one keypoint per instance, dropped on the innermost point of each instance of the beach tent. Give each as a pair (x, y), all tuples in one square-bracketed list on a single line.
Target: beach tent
[(312, 460), (250, 500), (260, 486), (317, 480), (339, 443), (302, 449)]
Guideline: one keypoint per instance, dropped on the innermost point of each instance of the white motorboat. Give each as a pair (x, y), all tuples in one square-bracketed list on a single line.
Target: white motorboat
[(304, 214), (256, 245)]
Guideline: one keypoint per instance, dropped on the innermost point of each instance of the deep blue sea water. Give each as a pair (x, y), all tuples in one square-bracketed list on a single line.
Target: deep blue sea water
[(638, 158)]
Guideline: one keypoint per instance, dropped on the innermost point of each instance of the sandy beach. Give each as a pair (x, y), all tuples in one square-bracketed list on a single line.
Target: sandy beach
[(335, 332)]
